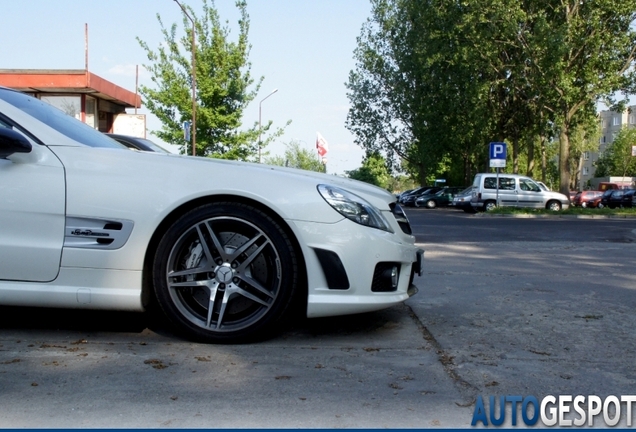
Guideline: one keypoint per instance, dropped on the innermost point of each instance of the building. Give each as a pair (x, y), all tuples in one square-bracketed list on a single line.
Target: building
[(83, 95), (611, 123)]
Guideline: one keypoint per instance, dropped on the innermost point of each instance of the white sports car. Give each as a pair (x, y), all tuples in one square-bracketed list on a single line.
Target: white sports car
[(224, 250)]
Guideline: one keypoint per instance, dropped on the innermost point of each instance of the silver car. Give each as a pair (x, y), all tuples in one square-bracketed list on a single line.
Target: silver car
[(513, 190)]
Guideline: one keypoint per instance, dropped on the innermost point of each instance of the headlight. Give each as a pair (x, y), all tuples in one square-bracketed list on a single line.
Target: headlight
[(353, 207)]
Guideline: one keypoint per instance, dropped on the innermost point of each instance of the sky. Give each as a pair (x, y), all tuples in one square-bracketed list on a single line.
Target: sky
[(302, 48)]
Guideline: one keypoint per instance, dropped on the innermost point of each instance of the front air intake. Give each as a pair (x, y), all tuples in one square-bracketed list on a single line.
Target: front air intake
[(334, 271)]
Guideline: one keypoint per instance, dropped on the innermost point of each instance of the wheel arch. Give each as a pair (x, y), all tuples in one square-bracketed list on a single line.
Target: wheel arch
[(147, 294)]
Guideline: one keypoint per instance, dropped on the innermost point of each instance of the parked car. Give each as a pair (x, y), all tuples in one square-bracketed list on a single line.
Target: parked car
[(407, 196), (572, 194), (461, 200), (583, 198), (614, 198), (513, 190), (441, 198), (598, 201), (213, 245), (137, 143), (409, 200)]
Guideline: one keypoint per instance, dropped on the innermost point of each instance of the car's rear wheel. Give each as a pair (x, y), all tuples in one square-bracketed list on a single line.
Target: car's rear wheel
[(553, 205), (431, 204), (225, 272)]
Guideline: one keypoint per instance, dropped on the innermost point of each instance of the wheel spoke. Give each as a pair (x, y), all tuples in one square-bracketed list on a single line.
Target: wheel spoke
[(189, 284), (224, 301), (215, 240), (243, 248), (189, 272), (213, 292), (257, 286), (252, 296), (252, 257), (204, 243)]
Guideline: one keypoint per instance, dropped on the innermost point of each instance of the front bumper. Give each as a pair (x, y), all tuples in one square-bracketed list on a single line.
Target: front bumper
[(364, 259)]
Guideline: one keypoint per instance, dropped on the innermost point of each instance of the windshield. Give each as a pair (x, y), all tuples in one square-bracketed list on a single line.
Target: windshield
[(57, 119)]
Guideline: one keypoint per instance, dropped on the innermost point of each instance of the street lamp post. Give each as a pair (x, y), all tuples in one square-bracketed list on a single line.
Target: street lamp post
[(194, 84), (259, 123)]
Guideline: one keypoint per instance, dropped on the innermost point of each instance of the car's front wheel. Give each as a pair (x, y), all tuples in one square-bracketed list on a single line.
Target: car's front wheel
[(225, 272), (554, 206), (431, 204), (490, 205)]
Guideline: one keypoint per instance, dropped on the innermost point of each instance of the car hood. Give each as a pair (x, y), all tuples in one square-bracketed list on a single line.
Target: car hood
[(164, 181), (365, 190)]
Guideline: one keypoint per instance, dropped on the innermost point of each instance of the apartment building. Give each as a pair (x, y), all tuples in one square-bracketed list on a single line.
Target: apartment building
[(611, 123)]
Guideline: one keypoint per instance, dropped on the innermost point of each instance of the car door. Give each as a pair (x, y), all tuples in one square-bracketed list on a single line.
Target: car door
[(32, 207), (505, 194), (529, 194)]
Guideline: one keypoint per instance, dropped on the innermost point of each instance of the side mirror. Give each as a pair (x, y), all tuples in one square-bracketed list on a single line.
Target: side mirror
[(12, 142)]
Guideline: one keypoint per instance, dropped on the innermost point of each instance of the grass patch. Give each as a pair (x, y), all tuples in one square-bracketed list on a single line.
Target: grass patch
[(570, 211)]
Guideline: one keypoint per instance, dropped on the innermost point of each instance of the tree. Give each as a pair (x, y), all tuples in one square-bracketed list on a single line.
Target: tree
[(223, 82), (411, 95), (617, 159), (436, 81), (579, 53), (374, 170), (297, 157)]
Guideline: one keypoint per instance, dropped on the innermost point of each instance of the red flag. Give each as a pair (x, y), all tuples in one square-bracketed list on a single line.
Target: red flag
[(321, 145)]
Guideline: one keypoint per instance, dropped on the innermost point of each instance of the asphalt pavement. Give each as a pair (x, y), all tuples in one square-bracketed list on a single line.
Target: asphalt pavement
[(496, 315)]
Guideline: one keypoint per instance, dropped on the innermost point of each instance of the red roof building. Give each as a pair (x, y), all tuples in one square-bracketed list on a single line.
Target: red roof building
[(79, 93)]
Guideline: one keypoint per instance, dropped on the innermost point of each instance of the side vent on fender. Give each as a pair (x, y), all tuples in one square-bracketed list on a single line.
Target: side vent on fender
[(94, 233)]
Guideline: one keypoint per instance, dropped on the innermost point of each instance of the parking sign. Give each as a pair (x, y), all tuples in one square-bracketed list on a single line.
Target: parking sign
[(497, 154)]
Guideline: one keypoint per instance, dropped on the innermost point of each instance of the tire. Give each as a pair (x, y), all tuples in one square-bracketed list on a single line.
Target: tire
[(553, 205), (416, 204), (431, 204), (583, 204), (225, 272), (490, 205), (600, 205)]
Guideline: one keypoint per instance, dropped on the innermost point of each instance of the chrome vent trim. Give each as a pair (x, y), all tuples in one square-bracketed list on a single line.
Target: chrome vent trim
[(96, 233)]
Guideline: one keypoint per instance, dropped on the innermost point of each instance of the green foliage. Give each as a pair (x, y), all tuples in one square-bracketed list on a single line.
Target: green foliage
[(436, 81), (617, 159), (374, 170), (223, 83), (298, 157)]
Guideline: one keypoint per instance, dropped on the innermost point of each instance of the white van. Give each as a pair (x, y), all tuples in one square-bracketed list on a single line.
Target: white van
[(513, 190)]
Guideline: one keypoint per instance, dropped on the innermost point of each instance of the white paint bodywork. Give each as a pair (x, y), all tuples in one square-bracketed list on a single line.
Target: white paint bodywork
[(66, 180)]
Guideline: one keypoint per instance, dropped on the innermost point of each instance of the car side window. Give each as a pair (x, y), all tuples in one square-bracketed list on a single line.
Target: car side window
[(527, 185), (506, 183), (490, 183)]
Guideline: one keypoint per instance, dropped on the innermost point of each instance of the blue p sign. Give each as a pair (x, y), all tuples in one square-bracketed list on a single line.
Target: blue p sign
[(498, 150)]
